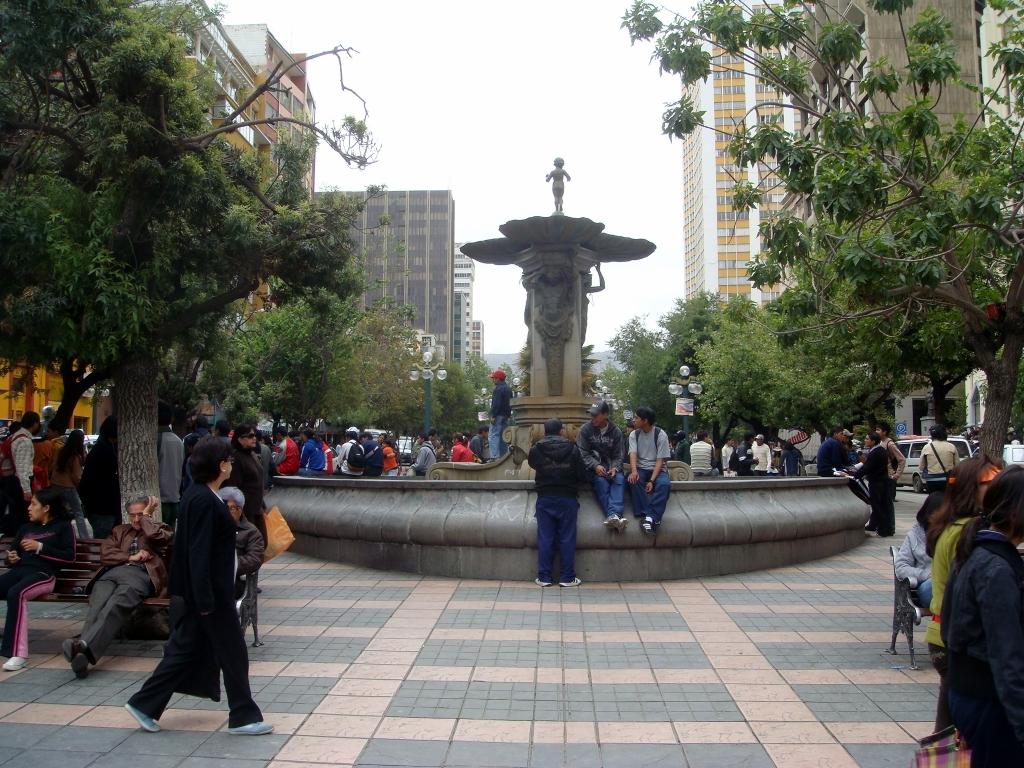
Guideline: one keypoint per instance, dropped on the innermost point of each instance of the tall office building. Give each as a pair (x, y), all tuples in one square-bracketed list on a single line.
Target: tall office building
[(718, 241), (476, 338), (462, 305), (410, 259)]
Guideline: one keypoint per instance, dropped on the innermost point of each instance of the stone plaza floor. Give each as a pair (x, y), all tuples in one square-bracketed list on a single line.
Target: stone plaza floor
[(364, 668)]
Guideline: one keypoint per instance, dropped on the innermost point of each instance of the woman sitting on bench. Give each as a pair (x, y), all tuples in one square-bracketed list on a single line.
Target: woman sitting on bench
[(40, 548), (912, 560)]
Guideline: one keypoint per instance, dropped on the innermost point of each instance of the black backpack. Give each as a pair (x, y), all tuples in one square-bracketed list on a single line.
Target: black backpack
[(356, 458)]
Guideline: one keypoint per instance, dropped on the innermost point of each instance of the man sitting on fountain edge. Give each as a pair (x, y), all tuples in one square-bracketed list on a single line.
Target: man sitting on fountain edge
[(601, 445)]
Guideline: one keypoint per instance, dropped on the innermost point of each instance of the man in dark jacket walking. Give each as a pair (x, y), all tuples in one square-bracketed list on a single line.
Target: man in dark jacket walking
[(559, 471), (501, 411)]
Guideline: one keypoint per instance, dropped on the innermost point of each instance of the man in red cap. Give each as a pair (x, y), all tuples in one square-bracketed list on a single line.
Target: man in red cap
[(501, 410)]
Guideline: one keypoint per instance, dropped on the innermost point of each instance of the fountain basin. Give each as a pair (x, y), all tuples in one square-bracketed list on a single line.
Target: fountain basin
[(486, 530)]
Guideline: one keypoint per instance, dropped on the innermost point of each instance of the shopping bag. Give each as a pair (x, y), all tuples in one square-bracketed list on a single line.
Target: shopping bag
[(945, 749), (279, 535)]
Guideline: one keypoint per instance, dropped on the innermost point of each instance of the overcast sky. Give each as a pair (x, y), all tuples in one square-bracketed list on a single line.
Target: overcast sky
[(479, 97)]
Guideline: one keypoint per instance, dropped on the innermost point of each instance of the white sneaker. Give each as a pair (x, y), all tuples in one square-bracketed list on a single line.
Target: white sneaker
[(623, 522), (15, 663), (574, 583), (541, 583)]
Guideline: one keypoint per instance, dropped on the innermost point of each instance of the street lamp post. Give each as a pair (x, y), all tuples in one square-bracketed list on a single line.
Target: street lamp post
[(685, 384), (433, 360)]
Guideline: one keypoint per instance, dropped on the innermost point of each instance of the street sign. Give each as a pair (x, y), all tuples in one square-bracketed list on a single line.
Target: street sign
[(684, 406), (901, 427)]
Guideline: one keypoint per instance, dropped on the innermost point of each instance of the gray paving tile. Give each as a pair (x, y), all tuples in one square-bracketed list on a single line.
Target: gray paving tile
[(882, 755), (83, 739), (53, 758), (19, 736), (479, 754), (647, 755), (213, 762), (243, 747), (400, 752), (727, 756), (8, 753), (582, 756), (181, 743), (115, 760)]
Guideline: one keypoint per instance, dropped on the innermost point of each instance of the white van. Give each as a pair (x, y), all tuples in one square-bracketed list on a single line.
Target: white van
[(911, 448), (1013, 454)]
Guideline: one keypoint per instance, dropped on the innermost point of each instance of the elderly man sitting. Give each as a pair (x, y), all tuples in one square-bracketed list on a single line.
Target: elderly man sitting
[(133, 569), (249, 544)]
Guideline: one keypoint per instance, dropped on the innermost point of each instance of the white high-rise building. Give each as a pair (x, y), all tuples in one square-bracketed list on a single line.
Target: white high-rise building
[(462, 306), (718, 240)]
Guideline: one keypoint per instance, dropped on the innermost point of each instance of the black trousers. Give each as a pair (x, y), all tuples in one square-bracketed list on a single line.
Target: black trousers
[(15, 508), (192, 638), (883, 514)]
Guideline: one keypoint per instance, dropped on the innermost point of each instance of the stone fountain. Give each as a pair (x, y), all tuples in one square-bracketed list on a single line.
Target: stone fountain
[(476, 520)]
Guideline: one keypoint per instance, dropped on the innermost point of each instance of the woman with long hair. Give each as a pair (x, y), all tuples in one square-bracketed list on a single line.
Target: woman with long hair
[(66, 476), (206, 638), (965, 490), (40, 548), (983, 627), (460, 448)]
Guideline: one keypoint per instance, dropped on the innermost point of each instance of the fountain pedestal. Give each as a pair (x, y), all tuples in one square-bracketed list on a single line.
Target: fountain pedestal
[(557, 255)]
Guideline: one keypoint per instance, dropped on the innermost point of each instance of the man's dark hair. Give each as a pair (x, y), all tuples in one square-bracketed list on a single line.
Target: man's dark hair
[(602, 407), (432, 432), (280, 430), (164, 414), (424, 436), (483, 430), (873, 437), (57, 426), (552, 427), (837, 430), (645, 413), (223, 428), (938, 432), (884, 426), (206, 458), (748, 437), (202, 422), (367, 435), (308, 433), (702, 434), (29, 419)]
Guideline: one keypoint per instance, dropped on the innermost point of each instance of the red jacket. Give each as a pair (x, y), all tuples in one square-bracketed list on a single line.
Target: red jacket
[(289, 463), (461, 452)]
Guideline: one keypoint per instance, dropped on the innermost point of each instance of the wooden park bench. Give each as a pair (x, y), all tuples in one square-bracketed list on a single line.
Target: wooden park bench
[(905, 612), (74, 579)]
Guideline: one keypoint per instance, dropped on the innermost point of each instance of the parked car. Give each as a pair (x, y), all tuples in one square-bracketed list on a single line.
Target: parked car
[(1013, 454), (405, 446), (911, 447)]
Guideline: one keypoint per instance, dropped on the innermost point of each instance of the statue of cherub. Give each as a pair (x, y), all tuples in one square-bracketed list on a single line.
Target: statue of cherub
[(558, 177)]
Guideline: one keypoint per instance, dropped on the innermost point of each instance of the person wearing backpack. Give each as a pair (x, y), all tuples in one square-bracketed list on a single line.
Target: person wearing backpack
[(648, 479), (353, 456), (373, 464), (17, 470)]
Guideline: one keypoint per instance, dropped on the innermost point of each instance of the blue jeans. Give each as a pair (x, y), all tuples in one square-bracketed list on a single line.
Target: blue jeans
[(609, 493), (307, 472), (556, 527), (652, 504), (498, 446), (986, 730), (924, 592)]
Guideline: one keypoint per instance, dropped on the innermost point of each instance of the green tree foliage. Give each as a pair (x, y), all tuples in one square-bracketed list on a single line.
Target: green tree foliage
[(126, 219), (912, 212)]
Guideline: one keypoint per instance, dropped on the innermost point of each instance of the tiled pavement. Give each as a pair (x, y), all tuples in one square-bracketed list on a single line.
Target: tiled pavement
[(363, 668)]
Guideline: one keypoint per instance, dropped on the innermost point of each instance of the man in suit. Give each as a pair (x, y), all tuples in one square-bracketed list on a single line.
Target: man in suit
[(875, 470)]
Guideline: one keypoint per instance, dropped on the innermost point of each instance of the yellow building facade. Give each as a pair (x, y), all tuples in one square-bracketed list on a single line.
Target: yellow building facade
[(24, 388)]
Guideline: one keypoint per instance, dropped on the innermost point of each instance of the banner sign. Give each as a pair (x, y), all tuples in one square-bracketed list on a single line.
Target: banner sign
[(684, 406)]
